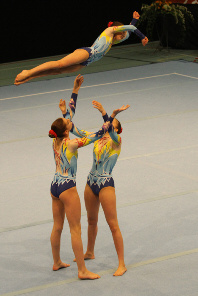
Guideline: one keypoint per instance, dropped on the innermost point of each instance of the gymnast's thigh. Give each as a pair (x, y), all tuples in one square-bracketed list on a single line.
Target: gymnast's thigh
[(92, 203), (58, 211), (77, 57), (71, 201), (107, 198)]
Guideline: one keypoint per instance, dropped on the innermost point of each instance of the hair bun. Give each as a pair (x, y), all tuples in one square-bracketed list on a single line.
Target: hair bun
[(52, 134), (110, 24)]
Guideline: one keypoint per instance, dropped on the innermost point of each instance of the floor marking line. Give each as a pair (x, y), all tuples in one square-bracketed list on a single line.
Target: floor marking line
[(158, 198), (157, 153), (152, 261), (161, 115), (119, 159), (90, 128), (119, 206), (92, 97), (167, 170), (186, 75), (103, 272), (89, 86)]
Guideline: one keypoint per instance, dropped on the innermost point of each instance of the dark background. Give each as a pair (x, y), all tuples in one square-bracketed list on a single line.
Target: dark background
[(39, 28)]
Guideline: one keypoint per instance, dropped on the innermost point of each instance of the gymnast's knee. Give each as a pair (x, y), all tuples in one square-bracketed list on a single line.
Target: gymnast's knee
[(113, 225), (57, 65), (58, 229), (92, 221)]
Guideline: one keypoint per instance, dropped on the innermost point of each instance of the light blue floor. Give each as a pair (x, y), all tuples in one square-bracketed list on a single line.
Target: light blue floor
[(156, 183)]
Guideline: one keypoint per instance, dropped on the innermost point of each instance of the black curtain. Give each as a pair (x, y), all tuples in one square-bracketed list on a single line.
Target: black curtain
[(191, 41), (38, 28)]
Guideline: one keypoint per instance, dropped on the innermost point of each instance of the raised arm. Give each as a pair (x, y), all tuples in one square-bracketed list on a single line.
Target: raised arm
[(113, 134), (135, 18), (101, 109), (69, 114), (92, 137), (81, 132), (130, 28)]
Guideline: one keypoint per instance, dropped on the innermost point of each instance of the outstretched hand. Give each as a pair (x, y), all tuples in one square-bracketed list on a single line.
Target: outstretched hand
[(136, 15), (116, 111), (145, 41), (78, 82), (62, 106), (99, 106)]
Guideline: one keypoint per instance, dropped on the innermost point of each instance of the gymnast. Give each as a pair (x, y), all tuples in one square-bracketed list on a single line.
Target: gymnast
[(82, 57), (100, 184), (65, 199)]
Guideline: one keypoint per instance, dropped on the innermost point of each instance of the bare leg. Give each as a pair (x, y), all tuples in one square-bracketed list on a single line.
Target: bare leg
[(68, 64), (108, 201), (92, 204), (59, 216), (72, 205)]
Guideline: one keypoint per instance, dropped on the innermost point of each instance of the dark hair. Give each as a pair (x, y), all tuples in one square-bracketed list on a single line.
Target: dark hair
[(59, 127), (115, 24), (118, 126)]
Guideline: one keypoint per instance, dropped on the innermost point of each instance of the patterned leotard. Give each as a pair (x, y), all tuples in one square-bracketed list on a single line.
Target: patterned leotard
[(66, 161), (105, 154), (105, 41)]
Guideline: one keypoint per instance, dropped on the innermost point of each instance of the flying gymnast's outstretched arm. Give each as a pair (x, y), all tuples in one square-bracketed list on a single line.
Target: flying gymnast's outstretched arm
[(128, 29), (133, 22)]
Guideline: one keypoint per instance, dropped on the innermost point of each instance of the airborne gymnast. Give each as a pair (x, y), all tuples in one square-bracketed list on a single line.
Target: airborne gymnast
[(84, 56)]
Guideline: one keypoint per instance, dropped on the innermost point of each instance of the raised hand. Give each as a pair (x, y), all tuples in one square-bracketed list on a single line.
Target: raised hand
[(136, 15), (99, 106), (116, 111), (78, 82), (62, 106)]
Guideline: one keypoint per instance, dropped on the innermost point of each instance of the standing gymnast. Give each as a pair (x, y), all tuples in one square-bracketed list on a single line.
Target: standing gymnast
[(100, 184), (114, 34), (65, 199)]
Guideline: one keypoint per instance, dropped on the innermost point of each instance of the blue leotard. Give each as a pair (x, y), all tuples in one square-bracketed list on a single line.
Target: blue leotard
[(105, 154), (66, 160), (105, 41)]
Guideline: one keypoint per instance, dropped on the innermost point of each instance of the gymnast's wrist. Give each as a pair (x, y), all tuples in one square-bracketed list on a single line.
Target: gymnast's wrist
[(105, 117), (113, 115), (75, 90), (111, 118)]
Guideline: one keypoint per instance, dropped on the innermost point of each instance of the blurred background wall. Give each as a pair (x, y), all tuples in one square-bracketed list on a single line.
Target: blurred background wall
[(38, 28)]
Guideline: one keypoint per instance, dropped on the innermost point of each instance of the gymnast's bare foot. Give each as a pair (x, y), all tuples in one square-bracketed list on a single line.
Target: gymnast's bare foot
[(120, 271), (88, 275), (22, 77), (60, 265), (87, 256)]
